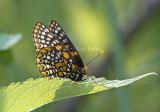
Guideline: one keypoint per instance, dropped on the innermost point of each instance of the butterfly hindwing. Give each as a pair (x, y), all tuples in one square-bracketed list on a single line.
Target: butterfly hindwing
[(45, 41)]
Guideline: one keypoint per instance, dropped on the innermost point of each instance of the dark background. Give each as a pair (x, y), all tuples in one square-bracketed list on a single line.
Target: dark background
[(127, 30)]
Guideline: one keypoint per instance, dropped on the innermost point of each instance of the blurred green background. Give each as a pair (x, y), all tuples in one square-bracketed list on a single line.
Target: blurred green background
[(127, 30)]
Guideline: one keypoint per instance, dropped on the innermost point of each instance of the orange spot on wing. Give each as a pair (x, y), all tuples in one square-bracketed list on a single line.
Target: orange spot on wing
[(73, 67), (35, 40), (41, 68), (38, 60), (57, 65), (67, 46), (75, 53), (64, 68), (39, 24), (66, 55), (53, 22), (72, 53), (50, 29), (77, 67), (48, 48), (34, 35), (43, 51), (51, 25), (65, 62), (38, 50), (44, 74), (60, 74), (35, 30), (68, 73), (39, 54), (37, 27), (58, 47), (37, 45)]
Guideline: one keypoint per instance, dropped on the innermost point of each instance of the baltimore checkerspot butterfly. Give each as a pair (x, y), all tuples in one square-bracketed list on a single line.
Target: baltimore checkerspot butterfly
[(56, 55)]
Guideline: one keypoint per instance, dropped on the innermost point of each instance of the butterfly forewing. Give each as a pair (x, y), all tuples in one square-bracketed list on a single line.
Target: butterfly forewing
[(56, 29)]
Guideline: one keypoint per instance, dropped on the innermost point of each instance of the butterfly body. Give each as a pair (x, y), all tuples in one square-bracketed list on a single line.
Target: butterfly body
[(56, 55)]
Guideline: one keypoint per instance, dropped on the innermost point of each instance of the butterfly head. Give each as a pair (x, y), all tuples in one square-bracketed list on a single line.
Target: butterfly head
[(85, 70)]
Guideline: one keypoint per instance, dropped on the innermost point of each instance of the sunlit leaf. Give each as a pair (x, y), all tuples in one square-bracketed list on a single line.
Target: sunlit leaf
[(31, 94)]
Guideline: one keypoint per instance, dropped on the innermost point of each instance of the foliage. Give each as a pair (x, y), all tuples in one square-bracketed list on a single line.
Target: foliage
[(31, 94)]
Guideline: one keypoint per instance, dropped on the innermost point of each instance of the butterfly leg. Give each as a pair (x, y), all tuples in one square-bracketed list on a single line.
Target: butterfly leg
[(91, 78), (75, 80)]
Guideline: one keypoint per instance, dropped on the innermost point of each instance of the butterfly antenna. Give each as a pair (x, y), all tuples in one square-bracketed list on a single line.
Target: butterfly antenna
[(95, 57)]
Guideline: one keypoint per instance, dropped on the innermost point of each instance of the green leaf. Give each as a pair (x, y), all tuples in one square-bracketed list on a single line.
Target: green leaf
[(31, 94), (8, 40)]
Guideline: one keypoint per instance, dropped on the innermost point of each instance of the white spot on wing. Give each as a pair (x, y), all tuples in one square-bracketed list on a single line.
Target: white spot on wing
[(43, 26), (45, 45), (47, 66), (61, 34), (64, 73), (47, 42), (56, 31), (49, 35), (60, 37), (52, 55), (54, 42), (52, 63), (59, 28), (56, 57), (48, 57), (50, 71), (57, 41), (42, 37), (68, 69), (43, 33), (52, 45), (43, 41), (46, 30), (46, 61), (70, 60), (69, 65), (48, 39)]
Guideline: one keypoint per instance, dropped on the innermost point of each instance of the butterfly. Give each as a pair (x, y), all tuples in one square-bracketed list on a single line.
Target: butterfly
[(56, 55)]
